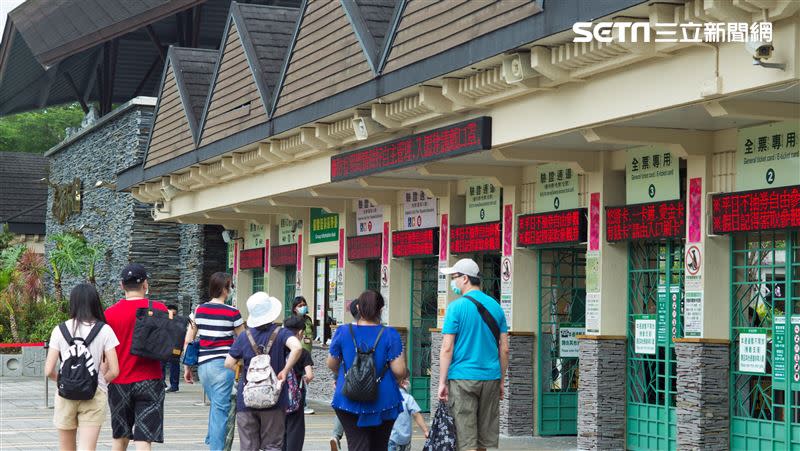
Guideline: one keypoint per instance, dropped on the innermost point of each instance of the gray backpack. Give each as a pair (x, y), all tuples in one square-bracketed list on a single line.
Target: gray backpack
[(262, 389)]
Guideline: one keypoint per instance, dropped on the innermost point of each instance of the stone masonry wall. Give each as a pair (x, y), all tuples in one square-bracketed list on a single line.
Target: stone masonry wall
[(518, 405), (601, 395), (703, 401)]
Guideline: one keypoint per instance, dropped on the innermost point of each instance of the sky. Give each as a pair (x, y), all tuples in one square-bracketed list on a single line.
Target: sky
[(5, 7)]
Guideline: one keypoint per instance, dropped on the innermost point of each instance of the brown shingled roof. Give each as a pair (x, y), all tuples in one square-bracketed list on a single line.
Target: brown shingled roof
[(23, 196)]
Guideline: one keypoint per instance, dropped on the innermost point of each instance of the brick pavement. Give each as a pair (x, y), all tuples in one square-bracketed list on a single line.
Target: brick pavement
[(25, 424)]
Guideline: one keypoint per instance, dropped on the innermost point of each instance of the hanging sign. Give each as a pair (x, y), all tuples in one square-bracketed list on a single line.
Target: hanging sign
[(230, 255), (364, 247), (442, 285), (568, 339), (644, 334), (771, 209), (559, 227), (483, 201), (507, 263), (288, 230), (445, 142), (593, 313), (768, 156), (368, 217), (415, 243), (753, 350), (338, 307), (254, 236), (324, 226), (251, 258), (594, 222), (419, 210), (651, 175), (285, 255), (646, 221), (695, 209), (385, 262), (475, 238), (556, 188)]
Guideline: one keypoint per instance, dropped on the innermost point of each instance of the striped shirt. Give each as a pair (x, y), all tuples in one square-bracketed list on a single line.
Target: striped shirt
[(215, 325)]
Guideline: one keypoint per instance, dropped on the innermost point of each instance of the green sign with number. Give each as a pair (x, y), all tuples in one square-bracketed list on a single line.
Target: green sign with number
[(651, 175), (768, 156), (324, 226)]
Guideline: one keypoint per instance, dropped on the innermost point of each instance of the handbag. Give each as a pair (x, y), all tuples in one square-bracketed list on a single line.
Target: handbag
[(192, 353), (156, 335), (442, 436)]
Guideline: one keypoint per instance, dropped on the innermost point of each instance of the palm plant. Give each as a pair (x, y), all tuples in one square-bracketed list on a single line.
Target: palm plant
[(66, 257), (8, 263), (92, 254)]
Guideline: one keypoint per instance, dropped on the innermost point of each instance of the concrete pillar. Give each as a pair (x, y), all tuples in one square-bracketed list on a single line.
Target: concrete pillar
[(601, 394)]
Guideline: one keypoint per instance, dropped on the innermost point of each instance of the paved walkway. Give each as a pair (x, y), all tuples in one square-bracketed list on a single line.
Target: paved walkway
[(25, 424)]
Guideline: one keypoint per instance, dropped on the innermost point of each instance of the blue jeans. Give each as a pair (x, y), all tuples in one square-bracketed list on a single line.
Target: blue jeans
[(217, 383), (174, 372)]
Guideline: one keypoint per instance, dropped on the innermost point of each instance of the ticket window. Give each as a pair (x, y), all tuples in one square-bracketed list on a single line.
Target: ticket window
[(373, 275)]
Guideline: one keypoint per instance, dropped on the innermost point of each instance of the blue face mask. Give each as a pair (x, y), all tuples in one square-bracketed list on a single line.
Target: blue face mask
[(454, 288), (302, 310)]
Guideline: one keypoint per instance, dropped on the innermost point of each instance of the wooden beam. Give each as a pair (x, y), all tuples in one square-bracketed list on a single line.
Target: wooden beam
[(156, 42), (51, 74), (146, 77), (76, 91)]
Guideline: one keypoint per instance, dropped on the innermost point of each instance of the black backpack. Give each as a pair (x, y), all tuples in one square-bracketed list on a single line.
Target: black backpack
[(77, 377), (156, 335), (360, 381)]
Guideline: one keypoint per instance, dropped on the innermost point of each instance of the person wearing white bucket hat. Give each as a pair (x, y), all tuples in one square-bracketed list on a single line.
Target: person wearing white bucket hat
[(262, 429)]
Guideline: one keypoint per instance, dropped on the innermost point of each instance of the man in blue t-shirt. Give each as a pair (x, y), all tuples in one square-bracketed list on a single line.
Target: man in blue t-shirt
[(472, 360)]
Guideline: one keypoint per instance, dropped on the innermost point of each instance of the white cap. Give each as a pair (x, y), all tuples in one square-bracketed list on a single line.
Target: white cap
[(465, 266), (262, 309)]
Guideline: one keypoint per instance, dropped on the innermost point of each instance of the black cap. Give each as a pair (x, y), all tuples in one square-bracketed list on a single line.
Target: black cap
[(134, 272)]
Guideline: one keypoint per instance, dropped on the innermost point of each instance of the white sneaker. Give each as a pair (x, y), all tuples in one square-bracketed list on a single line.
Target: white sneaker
[(308, 411)]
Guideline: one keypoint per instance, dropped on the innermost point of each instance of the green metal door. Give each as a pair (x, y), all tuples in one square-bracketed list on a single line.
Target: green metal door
[(655, 287), (765, 337), (258, 280), (373, 275), (489, 266), (424, 284), (562, 306), (288, 289)]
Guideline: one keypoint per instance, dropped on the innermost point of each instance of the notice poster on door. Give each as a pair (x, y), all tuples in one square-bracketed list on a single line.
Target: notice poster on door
[(795, 352), (568, 339), (644, 334), (693, 314), (593, 313), (779, 351), (753, 350), (593, 271), (441, 296), (662, 311)]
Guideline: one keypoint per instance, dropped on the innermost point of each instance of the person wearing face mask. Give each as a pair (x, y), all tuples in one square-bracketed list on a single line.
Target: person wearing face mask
[(473, 359), (216, 324), (300, 308)]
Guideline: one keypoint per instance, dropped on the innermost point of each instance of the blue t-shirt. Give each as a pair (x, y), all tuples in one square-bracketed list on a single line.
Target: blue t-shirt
[(401, 432), (389, 402), (241, 349), (475, 355)]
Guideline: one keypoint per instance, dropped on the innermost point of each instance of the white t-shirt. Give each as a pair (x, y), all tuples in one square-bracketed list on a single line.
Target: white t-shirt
[(104, 341)]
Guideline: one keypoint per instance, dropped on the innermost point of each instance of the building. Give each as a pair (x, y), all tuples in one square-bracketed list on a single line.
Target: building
[(634, 203), (24, 195)]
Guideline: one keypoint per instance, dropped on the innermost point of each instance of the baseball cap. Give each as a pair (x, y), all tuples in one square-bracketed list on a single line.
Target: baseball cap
[(465, 266), (134, 272)]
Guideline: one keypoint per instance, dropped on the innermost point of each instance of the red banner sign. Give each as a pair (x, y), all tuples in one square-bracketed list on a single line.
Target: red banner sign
[(415, 243), (251, 258), (285, 255), (365, 247), (646, 221), (445, 142), (770, 209), (475, 238), (557, 227)]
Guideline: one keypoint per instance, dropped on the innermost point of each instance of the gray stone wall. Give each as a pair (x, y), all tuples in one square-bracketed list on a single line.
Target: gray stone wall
[(518, 405), (436, 345), (322, 387), (703, 401), (601, 395)]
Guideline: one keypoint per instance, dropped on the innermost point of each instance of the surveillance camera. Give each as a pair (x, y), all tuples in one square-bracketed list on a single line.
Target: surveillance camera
[(760, 50)]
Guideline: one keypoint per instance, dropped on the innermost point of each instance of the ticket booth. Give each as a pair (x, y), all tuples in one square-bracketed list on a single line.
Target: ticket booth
[(421, 247), (764, 231), (366, 250), (557, 239), (480, 242), (654, 234), (284, 259)]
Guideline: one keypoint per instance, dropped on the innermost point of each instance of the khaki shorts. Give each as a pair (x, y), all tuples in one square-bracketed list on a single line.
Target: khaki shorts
[(69, 414), (475, 406)]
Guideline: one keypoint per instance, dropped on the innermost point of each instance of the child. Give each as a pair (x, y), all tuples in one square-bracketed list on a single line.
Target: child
[(400, 440), (84, 417), (294, 437), (173, 363)]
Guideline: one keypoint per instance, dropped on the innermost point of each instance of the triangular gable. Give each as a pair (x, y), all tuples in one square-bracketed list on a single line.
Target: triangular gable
[(371, 20), (253, 49), (171, 133), (193, 70), (326, 58)]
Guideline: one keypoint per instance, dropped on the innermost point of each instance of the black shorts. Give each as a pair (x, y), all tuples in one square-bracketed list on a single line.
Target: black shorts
[(137, 410)]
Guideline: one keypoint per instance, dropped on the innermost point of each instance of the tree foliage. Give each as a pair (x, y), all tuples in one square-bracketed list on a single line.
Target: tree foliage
[(37, 131)]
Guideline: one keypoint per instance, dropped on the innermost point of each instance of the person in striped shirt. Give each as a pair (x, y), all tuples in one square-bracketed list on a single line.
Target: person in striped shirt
[(215, 325)]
